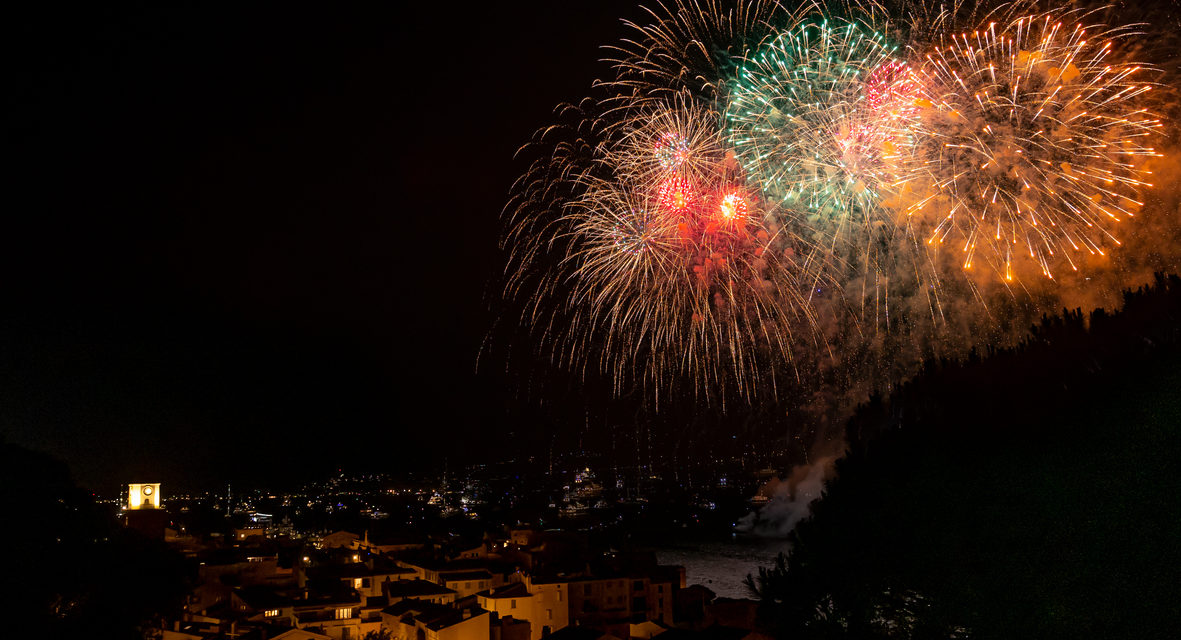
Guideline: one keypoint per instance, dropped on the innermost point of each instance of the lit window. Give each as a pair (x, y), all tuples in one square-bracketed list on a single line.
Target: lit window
[(356, 583), (272, 613), (343, 614)]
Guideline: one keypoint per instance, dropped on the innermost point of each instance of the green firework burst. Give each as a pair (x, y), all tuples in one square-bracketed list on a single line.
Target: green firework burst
[(796, 118)]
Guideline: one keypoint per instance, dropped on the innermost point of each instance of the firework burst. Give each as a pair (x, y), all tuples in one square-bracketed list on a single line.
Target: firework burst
[(691, 293), (1035, 134), (766, 186), (689, 47), (798, 118), (661, 259)]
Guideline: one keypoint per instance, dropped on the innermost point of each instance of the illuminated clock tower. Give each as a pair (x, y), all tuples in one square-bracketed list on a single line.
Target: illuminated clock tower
[(143, 496), (145, 512)]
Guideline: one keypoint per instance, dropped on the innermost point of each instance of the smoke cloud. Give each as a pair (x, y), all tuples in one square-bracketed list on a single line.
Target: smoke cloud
[(790, 500)]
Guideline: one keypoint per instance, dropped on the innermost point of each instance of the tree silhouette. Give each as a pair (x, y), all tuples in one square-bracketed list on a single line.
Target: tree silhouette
[(70, 569), (1028, 492)]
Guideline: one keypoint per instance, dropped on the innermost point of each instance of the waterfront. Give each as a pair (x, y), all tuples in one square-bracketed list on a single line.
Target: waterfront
[(722, 564)]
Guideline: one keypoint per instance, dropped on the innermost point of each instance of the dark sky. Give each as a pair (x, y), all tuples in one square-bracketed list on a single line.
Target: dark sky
[(255, 243)]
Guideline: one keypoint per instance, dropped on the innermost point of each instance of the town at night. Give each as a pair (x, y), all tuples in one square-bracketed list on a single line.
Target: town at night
[(610, 320)]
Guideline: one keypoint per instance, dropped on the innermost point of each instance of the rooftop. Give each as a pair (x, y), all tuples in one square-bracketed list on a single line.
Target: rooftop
[(414, 588), (514, 590), (452, 576), (263, 598), (354, 570), (432, 616)]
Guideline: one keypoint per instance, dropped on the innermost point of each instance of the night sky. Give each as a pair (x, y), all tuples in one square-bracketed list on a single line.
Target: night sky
[(257, 244)]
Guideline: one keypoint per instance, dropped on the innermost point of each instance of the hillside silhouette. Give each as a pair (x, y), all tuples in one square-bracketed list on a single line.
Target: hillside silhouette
[(1025, 492)]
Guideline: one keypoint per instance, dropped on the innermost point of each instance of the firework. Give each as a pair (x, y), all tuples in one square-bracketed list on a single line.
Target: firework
[(891, 91), (800, 120), (708, 298), (677, 194), (690, 47), (660, 293), (662, 139), (732, 207), (671, 150), (1034, 138), (763, 185), (671, 256)]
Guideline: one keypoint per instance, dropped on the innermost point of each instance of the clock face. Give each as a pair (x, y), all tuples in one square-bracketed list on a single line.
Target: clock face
[(147, 490)]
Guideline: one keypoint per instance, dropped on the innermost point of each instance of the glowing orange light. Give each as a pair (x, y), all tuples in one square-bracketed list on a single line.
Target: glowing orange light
[(732, 207)]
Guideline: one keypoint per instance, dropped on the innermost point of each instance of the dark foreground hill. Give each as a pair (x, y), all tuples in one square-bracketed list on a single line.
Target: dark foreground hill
[(1027, 493)]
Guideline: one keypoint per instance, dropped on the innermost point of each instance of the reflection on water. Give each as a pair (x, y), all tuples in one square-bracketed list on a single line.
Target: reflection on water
[(721, 565)]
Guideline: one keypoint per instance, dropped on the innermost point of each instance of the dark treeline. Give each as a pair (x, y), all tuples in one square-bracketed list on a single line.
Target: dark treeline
[(1030, 492)]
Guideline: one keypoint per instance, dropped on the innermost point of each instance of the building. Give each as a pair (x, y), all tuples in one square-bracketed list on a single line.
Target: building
[(418, 620), (466, 583), (389, 543), (614, 603), (340, 539), (418, 590), (248, 566), (336, 615), (249, 532), (300, 634), (457, 574), (510, 600), (509, 629), (144, 511), (602, 603), (545, 604), (551, 599), (144, 496), (367, 579), (258, 604), (582, 633)]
